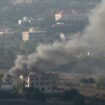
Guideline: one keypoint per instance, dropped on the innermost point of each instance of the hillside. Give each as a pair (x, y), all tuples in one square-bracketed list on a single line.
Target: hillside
[(42, 14)]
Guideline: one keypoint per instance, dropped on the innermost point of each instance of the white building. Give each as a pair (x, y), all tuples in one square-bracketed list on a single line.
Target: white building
[(58, 16), (25, 19), (19, 22), (72, 15)]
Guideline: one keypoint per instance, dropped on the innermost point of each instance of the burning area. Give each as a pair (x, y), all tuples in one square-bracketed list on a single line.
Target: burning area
[(83, 53)]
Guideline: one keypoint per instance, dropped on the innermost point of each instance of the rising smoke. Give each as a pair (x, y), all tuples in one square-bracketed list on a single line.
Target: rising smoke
[(83, 53)]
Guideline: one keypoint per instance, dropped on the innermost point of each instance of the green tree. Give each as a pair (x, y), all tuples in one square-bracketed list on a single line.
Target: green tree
[(100, 81), (34, 94), (74, 96)]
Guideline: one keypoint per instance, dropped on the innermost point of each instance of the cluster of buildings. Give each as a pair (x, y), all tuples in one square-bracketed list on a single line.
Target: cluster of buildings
[(37, 34), (47, 82), (78, 10), (25, 19), (5, 30), (72, 15), (43, 81)]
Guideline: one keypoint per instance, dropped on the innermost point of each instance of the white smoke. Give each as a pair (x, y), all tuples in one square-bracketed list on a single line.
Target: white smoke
[(83, 51)]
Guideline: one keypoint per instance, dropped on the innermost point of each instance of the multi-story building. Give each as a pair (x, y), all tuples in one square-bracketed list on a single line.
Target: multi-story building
[(45, 82)]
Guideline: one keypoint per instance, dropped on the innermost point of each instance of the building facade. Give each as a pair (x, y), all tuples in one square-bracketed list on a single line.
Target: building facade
[(45, 82)]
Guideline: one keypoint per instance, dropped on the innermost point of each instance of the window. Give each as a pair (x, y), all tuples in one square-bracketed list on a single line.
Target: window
[(43, 89), (37, 83), (32, 84)]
